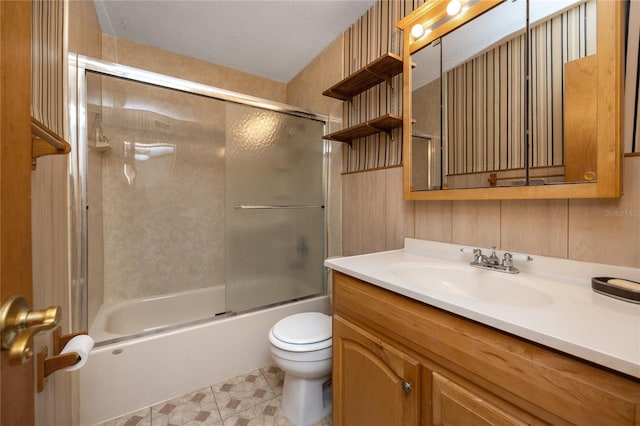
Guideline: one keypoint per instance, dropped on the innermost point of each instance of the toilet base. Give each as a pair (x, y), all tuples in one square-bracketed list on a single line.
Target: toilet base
[(303, 400)]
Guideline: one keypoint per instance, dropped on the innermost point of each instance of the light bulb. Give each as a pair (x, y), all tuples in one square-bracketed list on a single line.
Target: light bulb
[(453, 8), (417, 31)]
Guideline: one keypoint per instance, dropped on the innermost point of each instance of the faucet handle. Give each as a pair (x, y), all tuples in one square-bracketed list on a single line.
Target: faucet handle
[(474, 251), (522, 257), (507, 260), (493, 257)]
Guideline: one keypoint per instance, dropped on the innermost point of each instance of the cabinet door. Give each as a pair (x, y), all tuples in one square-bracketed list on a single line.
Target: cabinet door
[(454, 405), (373, 382)]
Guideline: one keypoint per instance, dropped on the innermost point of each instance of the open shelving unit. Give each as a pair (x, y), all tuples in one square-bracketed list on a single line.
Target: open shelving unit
[(379, 71)]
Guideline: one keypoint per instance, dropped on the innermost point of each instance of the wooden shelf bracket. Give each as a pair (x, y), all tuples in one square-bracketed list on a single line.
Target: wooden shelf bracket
[(45, 141)]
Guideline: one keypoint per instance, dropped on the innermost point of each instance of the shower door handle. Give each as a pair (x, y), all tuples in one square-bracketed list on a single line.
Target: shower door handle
[(267, 207)]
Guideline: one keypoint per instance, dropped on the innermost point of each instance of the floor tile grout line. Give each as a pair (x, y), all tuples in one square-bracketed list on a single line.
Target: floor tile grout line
[(215, 400), (267, 380)]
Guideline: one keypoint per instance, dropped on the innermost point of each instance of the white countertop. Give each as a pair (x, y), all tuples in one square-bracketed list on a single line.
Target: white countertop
[(573, 318)]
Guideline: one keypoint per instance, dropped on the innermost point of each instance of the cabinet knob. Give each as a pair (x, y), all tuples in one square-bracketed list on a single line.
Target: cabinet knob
[(406, 387)]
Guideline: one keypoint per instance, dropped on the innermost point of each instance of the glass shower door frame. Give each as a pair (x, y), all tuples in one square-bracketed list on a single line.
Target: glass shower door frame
[(78, 67)]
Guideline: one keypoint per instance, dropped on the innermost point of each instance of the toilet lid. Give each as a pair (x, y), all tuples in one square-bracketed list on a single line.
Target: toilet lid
[(303, 329)]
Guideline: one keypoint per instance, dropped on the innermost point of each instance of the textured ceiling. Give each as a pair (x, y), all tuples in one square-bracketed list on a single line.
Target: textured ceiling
[(271, 38)]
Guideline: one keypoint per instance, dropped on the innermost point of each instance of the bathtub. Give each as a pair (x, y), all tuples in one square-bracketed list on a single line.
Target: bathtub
[(143, 315), (123, 377)]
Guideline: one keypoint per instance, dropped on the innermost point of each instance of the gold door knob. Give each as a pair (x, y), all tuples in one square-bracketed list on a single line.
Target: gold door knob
[(18, 325)]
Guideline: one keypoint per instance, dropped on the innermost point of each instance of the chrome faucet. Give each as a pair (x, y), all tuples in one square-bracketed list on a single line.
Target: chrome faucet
[(493, 262)]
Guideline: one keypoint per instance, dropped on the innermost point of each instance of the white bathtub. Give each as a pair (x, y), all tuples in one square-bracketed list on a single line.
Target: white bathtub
[(135, 316), (120, 378)]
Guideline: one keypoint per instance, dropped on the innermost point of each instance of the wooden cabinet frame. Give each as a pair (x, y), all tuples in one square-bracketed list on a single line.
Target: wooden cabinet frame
[(610, 76)]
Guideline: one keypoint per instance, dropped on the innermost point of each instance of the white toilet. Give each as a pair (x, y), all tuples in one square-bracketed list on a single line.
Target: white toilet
[(301, 346)]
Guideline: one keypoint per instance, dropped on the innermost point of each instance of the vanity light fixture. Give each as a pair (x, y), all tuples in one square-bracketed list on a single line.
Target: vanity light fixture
[(418, 31), (454, 7)]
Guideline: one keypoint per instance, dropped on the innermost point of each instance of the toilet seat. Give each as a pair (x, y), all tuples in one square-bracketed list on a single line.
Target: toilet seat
[(305, 332)]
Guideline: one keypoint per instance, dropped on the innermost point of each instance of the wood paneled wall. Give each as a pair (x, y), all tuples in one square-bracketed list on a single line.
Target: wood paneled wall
[(375, 218)]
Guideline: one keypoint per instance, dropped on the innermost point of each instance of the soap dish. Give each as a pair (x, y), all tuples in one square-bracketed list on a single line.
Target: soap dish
[(619, 288)]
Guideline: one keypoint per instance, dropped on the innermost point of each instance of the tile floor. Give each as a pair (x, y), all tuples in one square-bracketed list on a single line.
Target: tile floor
[(252, 399)]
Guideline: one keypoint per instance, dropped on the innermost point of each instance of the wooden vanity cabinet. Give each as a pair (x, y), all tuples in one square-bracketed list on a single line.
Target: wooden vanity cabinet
[(401, 362)]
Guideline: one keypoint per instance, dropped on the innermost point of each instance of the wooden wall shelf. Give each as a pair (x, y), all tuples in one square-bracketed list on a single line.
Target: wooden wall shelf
[(385, 124), (378, 71)]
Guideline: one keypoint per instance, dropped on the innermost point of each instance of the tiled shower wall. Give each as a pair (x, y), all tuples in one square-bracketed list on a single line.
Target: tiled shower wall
[(375, 217)]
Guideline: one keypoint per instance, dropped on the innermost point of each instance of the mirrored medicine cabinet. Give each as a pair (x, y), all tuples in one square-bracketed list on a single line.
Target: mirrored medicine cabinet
[(517, 99)]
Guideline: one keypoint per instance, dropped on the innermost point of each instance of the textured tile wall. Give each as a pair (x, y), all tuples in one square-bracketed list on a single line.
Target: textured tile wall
[(152, 59)]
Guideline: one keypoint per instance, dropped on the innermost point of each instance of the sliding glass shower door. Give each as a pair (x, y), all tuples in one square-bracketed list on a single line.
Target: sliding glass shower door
[(188, 201), (274, 207)]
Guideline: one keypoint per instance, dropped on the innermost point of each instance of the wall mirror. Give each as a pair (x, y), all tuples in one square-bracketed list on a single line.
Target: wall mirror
[(516, 99)]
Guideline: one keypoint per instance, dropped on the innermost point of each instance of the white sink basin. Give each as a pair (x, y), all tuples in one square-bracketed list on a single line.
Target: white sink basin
[(472, 283)]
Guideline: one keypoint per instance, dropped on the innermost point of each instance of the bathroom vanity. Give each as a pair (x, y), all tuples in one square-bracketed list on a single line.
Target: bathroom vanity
[(408, 351)]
